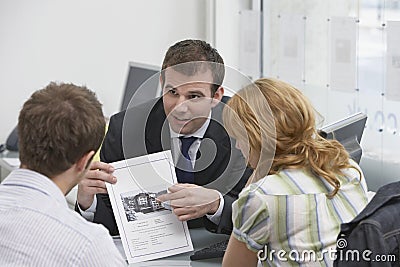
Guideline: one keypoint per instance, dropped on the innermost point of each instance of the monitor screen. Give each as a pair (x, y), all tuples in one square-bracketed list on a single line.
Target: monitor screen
[(348, 132), (139, 73)]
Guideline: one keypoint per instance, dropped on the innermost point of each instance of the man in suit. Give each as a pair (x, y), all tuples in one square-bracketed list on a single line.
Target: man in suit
[(186, 119)]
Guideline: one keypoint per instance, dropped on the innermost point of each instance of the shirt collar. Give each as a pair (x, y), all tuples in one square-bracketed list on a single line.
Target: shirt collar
[(36, 181), (199, 133)]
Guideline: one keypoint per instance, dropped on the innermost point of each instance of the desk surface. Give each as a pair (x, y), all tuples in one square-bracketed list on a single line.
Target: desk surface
[(11, 155), (5, 166), (201, 238)]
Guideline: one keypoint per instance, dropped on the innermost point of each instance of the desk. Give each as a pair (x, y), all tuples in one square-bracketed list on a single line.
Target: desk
[(5, 167), (201, 238)]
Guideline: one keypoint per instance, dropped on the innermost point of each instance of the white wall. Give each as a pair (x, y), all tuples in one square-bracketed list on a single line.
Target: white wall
[(85, 42), (227, 25), (381, 139)]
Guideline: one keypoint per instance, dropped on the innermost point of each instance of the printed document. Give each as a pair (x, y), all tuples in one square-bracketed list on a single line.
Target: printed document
[(148, 228)]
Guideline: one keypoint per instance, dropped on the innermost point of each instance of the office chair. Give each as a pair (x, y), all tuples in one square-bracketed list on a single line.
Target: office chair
[(372, 238)]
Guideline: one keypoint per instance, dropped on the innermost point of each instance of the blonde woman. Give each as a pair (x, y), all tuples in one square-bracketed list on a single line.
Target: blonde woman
[(303, 186)]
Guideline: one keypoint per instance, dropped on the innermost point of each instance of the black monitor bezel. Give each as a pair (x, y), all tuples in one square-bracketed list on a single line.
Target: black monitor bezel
[(331, 131), (136, 65)]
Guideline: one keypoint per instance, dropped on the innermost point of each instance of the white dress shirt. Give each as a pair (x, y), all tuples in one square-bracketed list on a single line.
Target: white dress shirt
[(38, 229)]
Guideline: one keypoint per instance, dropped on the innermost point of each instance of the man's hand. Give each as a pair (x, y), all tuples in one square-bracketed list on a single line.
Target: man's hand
[(94, 183), (191, 201)]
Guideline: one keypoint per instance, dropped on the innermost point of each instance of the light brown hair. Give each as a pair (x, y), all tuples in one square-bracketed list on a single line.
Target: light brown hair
[(57, 126), (293, 132)]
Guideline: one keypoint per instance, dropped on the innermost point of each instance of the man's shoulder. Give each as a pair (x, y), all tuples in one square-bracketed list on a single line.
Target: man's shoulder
[(61, 224), (143, 110), (85, 233), (216, 129), (65, 227), (94, 240), (218, 109)]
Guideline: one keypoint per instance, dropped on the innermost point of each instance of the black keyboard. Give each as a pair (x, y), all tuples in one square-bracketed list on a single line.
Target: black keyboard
[(216, 250)]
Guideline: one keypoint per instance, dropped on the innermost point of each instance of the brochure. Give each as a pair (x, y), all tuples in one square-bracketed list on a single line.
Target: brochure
[(148, 228)]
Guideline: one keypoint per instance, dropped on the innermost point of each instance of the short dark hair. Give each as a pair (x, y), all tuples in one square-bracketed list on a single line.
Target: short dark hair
[(191, 51), (57, 126)]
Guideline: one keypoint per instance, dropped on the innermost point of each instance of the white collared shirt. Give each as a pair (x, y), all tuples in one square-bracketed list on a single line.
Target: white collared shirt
[(38, 229), (176, 142)]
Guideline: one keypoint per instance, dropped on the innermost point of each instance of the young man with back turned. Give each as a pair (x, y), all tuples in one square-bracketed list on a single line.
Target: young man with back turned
[(187, 117), (60, 127)]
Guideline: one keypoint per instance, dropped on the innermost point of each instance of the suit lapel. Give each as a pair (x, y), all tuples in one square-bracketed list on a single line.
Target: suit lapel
[(214, 150), (157, 136)]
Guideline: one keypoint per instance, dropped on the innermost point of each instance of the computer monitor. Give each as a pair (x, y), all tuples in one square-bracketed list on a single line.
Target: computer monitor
[(348, 132), (139, 73)]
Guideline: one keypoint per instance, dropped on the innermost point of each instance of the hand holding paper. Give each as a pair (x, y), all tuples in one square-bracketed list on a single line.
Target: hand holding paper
[(94, 183)]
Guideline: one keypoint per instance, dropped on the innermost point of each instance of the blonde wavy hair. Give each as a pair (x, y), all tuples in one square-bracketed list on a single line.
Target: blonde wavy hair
[(278, 123)]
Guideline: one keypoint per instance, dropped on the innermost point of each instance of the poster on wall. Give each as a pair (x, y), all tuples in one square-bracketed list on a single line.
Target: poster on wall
[(393, 61), (291, 52), (342, 41), (249, 44)]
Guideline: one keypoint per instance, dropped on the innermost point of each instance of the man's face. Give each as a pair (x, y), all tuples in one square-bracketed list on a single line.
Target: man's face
[(188, 100)]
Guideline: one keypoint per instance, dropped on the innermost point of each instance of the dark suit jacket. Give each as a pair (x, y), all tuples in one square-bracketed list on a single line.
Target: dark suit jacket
[(144, 130), (373, 237)]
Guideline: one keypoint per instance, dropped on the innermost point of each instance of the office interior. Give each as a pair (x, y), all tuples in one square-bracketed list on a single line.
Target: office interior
[(341, 53)]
